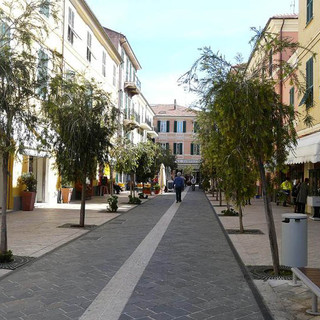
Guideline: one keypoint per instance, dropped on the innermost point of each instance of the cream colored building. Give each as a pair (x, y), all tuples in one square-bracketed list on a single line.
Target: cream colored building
[(86, 49), (305, 160)]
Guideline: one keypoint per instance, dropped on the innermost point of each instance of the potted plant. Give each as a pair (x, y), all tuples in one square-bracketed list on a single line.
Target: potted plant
[(66, 190), (29, 194), (147, 188), (156, 188), (113, 203)]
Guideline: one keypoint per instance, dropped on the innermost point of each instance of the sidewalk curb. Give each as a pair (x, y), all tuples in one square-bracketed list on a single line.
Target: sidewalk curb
[(257, 295)]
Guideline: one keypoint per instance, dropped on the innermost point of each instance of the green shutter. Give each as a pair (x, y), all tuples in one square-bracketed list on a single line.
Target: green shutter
[(174, 148), (168, 126), (191, 149), (167, 146), (175, 126), (181, 148), (158, 126), (184, 126)]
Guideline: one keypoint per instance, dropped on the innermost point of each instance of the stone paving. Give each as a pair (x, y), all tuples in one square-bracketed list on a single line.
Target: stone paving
[(285, 301), (193, 273)]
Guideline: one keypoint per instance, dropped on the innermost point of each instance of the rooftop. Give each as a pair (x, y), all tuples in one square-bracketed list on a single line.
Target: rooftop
[(172, 110)]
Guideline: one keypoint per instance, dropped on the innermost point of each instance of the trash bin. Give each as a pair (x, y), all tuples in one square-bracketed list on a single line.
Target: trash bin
[(294, 240)]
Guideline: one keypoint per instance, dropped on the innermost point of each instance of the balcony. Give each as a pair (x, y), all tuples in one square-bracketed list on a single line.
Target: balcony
[(146, 125), (133, 87), (152, 133), (130, 122)]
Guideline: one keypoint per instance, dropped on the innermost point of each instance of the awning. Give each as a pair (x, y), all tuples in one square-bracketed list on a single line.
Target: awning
[(307, 150)]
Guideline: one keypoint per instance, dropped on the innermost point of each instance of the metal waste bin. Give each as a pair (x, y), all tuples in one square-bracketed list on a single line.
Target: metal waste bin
[(294, 240)]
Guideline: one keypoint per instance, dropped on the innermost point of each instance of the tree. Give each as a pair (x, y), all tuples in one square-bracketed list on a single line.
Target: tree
[(22, 29), (81, 122), (250, 126), (146, 158), (164, 156)]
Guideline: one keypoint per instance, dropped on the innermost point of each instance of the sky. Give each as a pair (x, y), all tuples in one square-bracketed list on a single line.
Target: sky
[(166, 35)]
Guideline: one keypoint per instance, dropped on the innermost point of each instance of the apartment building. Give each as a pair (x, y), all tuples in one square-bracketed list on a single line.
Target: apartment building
[(136, 115), (305, 160), (85, 49), (177, 127)]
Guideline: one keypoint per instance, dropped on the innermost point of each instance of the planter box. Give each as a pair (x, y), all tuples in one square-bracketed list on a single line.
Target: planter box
[(66, 194), (147, 190), (313, 201), (28, 199)]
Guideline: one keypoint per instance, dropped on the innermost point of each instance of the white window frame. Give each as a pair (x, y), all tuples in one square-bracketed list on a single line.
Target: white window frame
[(163, 126), (104, 63), (179, 126), (71, 33), (89, 46)]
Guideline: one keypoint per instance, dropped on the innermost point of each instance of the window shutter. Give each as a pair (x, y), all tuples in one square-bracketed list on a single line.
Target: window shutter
[(191, 149), (175, 126), (174, 148), (184, 126), (181, 148), (168, 126), (167, 146), (158, 126)]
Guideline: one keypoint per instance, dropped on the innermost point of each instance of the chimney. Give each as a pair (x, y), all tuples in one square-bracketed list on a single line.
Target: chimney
[(175, 104)]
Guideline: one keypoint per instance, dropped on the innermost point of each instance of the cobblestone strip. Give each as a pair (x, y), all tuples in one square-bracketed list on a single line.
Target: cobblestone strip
[(113, 298)]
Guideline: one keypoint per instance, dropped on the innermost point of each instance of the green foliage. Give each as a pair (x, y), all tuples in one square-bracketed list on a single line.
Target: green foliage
[(28, 179), (164, 156), (156, 186), (6, 256), (230, 212), (142, 195), (113, 203), (188, 170), (205, 184), (82, 119), (134, 200)]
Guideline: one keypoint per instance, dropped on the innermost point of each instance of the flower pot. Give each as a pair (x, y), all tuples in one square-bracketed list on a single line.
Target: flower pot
[(28, 199), (66, 194), (156, 191), (147, 190)]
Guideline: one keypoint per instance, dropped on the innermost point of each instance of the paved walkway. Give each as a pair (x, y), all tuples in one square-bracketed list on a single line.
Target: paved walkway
[(161, 260), (285, 301)]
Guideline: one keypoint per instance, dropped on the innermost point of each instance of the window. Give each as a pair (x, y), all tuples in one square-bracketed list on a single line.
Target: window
[(291, 96), (127, 69), (195, 149), (45, 7), (163, 126), (114, 75), (180, 126), (71, 26), (89, 45), (178, 148), (104, 62), (165, 145), (4, 36), (309, 10), (42, 75), (309, 82)]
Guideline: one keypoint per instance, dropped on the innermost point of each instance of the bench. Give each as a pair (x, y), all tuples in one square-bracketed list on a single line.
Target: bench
[(311, 278)]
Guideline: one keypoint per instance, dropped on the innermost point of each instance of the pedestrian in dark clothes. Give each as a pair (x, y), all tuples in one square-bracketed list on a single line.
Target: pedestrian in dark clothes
[(178, 184)]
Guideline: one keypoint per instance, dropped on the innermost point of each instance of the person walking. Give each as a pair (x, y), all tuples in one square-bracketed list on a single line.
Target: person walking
[(286, 187), (302, 196), (193, 183), (178, 184)]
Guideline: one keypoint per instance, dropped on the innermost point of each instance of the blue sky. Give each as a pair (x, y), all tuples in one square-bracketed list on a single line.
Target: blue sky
[(166, 34)]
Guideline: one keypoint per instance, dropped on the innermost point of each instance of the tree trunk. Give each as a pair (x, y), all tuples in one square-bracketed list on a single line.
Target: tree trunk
[(4, 237), (241, 220), (111, 180), (270, 221), (220, 197), (83, 202), (131, 183)]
